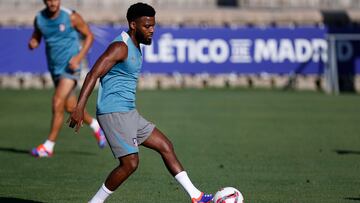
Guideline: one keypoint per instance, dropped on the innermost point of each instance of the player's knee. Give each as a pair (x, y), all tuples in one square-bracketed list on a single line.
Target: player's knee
[(131, 163), (58, 104), (133, 166), (167, 147), (69, 108)]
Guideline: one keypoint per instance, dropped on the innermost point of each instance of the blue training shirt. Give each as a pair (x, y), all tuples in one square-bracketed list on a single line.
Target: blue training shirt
[(118, 87), (61, 39)]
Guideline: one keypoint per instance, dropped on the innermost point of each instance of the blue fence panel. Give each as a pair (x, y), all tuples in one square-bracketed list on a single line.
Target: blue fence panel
[(278, 50), (241, 50), (225, 50), (15, 55)]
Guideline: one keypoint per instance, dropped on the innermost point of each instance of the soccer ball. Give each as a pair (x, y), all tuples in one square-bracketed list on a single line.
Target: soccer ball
[(228, 195)]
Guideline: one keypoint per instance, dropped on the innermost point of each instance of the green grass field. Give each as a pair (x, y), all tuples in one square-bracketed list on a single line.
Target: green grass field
[(274, 146)]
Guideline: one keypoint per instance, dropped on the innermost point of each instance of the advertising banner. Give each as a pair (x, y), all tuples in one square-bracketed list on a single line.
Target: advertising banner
[(226, 50), (242, 50)]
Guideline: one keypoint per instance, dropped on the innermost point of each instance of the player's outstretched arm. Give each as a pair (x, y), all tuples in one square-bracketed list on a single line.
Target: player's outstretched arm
[(116, 52), (35, 37), (82, 27)]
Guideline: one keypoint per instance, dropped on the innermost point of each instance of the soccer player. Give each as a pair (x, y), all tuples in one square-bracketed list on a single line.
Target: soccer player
[(60, 28), (118, 69)]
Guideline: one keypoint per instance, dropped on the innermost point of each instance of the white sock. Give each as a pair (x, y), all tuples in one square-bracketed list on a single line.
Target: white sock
[(101, 195), (49, 145), (184, 180), (94, 125)]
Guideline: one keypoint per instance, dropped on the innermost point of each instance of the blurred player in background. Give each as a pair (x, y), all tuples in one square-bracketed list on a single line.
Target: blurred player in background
[(60, 29), (118, 69)]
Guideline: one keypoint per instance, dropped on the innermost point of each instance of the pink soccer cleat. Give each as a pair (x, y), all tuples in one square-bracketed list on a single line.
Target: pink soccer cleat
[(100, 138), (204, 198), (41, 151)]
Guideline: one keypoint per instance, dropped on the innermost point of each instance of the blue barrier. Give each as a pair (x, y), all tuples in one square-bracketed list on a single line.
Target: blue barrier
[(279, 50), (15, 55)]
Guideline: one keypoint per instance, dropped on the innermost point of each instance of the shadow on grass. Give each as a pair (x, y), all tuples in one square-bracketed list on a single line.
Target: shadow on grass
[(346, 152), (16, 200), (22, 151), (13, 150), (353, 198)]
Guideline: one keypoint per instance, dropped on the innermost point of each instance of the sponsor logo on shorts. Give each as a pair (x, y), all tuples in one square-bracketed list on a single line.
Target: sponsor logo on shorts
[(135, 142)]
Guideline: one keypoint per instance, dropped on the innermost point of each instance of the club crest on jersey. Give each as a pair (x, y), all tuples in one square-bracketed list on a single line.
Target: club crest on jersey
[(135, 142), (62, 27)]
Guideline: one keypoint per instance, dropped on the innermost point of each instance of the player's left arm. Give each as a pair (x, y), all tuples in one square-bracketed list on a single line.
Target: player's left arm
[(82, 27), (35, 39)]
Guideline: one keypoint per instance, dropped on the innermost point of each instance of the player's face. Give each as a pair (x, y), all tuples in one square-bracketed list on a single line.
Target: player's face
[(145, 27), (52, 5)]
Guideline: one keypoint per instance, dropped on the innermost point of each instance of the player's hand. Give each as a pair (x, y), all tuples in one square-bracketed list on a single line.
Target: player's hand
[(74, 62), (33, 44), (76, 119)]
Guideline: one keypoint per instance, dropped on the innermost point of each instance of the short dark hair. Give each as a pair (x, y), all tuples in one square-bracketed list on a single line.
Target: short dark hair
[(139, 10)]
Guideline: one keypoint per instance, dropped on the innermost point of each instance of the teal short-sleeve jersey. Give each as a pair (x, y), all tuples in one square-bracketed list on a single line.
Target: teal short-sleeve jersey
[(61, 40), (118, 87)]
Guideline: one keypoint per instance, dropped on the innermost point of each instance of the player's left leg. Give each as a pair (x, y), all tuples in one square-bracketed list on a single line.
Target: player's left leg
[(89, 120), (63, 87), (160, 143)]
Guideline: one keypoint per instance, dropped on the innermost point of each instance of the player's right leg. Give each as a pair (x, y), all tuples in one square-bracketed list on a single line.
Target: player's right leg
[(128, 165), (98, 133), (62, 90), (120, 131)]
